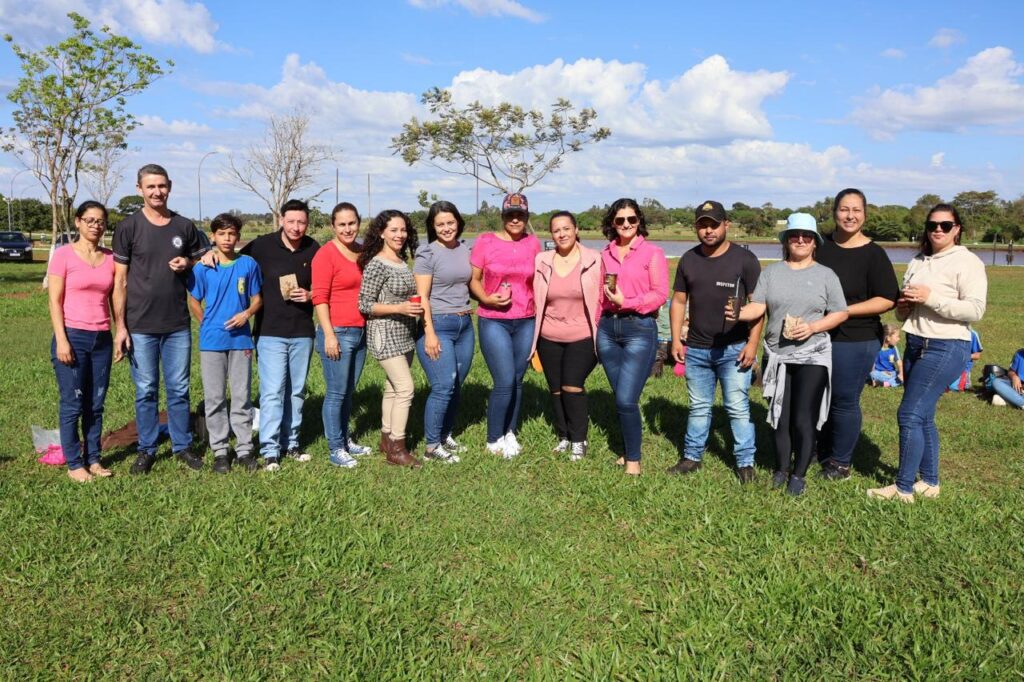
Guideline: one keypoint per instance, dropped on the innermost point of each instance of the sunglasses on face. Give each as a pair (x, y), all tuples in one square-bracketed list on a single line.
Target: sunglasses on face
[(946, 226), (632, 220), (800, 236)]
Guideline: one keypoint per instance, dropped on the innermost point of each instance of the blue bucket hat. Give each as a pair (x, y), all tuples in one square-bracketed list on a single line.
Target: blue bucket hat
[(802, 222)]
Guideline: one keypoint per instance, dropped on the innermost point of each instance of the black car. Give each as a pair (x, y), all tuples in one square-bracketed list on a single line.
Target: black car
[(14, 246)]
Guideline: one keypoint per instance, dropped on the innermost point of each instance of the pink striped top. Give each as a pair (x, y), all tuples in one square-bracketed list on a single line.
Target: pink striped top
[(642, 276)]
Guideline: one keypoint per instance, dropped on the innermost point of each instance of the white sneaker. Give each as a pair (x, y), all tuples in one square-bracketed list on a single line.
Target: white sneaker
[(298, 455), (512, 447), (998, 400), (452, 445), (357, 450), (271, 465), (497, 447), (579, 451), (440, 454), (563, 446)]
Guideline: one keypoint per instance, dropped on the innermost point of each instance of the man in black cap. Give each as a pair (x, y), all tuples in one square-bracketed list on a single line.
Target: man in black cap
[(718, 349)]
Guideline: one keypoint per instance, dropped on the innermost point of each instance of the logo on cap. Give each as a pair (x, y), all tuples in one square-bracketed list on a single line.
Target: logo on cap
[(707, 206)]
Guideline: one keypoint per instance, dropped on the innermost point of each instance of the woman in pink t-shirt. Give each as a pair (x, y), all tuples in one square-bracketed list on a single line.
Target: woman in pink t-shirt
[(80, 282), (567, 290), (502, 282), (636, 286)]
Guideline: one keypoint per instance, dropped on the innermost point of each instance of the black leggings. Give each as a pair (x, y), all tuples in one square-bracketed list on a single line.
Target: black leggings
[(567, 365), (795, 434)]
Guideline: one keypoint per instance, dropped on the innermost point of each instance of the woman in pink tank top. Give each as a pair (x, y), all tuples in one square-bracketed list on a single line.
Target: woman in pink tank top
[(567, 294), (80, 280)]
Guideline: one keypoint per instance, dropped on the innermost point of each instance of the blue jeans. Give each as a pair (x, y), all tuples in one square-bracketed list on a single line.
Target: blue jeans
[(283, 364), (627, 347), (929, 365), (446, 374), (83, 389), (885, 377), (498, 340), (851, 365), (341, 377), (704, 368), (148, 353), (1004, 389)]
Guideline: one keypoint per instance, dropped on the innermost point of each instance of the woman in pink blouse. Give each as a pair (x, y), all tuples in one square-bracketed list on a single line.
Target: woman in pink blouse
[(567, 290), (80, 279), (636, 286), (502, 282)]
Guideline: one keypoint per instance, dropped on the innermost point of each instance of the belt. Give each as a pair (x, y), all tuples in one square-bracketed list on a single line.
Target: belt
[(625, 314)]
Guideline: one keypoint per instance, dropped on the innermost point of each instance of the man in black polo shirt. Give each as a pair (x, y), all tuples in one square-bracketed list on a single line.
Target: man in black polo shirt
[(717, 349), (284, 331), (153, 250)]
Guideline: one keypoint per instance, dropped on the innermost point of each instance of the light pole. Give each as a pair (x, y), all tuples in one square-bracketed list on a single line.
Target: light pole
[(10, 219), (199, 184)]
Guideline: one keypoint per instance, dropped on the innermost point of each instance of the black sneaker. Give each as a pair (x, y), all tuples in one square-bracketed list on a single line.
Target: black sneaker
[(221, 465), (248, 463), (796, 486), (190, 459), (779, 479), (684, 466), (830, 471), (143, 463), (746, 475)]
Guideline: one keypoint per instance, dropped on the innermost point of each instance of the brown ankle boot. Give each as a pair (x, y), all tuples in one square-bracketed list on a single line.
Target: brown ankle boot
[(399, 456), (385, 443)]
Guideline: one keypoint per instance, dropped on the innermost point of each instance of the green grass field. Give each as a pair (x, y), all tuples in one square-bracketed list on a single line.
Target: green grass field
[(535, 568)]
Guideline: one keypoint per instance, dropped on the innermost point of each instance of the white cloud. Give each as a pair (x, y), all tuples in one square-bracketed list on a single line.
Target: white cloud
[(481, 8), (893, 53), (171, 22), (156, 126), (946, 37), (985, 91), (938, 159), (710, 102)]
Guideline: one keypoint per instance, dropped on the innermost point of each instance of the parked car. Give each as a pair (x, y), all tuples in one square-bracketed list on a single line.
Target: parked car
[(15, 246)]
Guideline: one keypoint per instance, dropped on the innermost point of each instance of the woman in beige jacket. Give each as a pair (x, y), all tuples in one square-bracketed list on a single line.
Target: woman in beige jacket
[(944, 291), (567, 290)]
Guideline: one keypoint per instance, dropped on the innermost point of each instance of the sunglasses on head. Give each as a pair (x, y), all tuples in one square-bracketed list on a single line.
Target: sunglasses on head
[(800, 236), (632, 220), (945, 225)]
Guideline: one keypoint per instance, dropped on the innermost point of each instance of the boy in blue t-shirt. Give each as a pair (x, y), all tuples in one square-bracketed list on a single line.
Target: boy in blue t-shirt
[(231, 295), (1009, 389), (963, 382)]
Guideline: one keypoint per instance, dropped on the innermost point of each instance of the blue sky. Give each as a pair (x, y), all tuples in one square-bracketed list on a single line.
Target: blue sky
[(743, 101)]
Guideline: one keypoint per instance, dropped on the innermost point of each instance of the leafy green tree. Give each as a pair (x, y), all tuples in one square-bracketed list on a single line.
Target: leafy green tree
[(506, 146), (129, 204), (70, 105), (425, 200)]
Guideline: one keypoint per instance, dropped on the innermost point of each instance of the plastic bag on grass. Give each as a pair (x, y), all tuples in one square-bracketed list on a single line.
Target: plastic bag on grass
[(47, 443)]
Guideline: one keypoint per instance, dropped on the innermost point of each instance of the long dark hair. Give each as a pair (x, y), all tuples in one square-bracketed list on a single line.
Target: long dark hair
[(374, 241), (925, 243), (439, 207), (608, 228), (90, 204), (345, 206)]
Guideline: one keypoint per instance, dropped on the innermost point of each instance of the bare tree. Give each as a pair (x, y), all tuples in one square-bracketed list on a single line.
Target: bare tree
[(282, 163), (102, 173)]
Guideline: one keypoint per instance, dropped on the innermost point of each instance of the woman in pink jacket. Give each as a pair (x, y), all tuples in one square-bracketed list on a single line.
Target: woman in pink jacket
[(567, 293)]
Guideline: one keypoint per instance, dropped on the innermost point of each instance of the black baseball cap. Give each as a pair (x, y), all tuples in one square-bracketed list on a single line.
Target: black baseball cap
[(713, 210)]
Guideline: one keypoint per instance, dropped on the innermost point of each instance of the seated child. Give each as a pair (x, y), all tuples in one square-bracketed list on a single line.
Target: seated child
[(1008, 389), (963, 382), (888, 369), (231, 295)]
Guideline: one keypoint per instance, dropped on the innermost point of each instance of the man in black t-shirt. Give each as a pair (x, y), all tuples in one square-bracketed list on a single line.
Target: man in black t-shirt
[(718, 349), (284, 331), (153, 250)]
